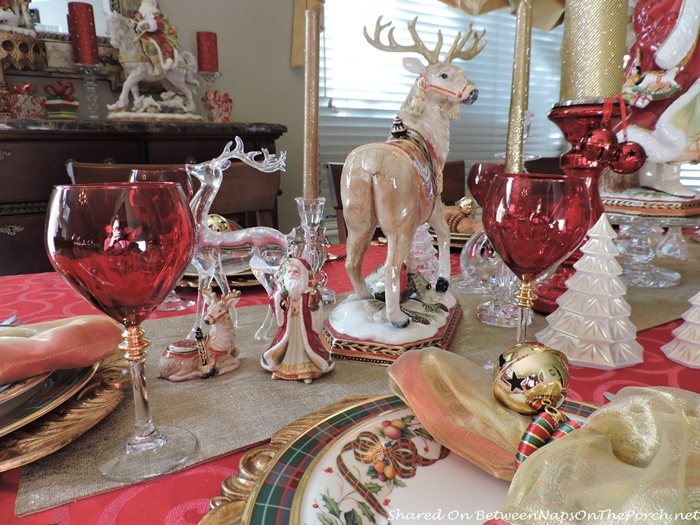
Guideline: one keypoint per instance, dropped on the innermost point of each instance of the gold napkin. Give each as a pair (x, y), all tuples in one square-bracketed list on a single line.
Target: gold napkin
[(29, 350), (636, 460), (451, 396)]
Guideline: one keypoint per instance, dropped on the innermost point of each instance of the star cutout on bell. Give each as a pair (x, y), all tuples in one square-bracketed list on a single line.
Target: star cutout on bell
[(515, 382)]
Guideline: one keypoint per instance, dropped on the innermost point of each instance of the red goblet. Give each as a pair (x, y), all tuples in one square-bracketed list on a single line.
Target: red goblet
[(534, 222), (123, 247), (480, 177), (172, 302)]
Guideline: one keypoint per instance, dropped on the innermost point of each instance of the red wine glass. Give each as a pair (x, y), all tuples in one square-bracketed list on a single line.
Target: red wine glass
[(172, 302), (535, 222), (123, 247), (480, 177)]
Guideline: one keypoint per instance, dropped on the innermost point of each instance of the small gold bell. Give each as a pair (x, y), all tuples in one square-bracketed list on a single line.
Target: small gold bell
[(218, 223), (529, 370), (467, 206), (398, 129)]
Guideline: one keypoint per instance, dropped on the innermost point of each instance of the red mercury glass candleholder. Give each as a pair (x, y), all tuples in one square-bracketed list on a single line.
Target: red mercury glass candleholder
[(81, 26), (588, 127), (207, 52)]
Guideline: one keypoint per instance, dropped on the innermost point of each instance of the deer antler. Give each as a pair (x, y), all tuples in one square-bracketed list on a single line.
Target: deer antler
[(457, 50), (418, 46), (269, 164)]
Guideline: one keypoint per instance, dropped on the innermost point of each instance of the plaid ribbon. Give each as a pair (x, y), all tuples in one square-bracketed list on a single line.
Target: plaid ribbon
[(401, 454), (549, 425)]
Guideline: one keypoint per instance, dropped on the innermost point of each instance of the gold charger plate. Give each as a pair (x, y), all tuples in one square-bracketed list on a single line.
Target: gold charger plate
[(239, 280), (457, 240), (81, 398)]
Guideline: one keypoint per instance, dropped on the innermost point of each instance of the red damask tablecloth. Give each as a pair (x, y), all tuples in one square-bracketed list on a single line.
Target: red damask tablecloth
[(182, 498)]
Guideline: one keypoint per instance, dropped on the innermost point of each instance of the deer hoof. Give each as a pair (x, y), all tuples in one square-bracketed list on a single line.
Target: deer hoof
[(402, 325), (442, 285), (308, 380)]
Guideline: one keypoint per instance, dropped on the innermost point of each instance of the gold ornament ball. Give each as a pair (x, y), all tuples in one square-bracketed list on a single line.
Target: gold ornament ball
[(218, 223), (467, 206), (527, 370)]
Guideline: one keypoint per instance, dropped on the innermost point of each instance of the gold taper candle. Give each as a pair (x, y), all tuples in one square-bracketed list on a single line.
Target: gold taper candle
[(311, 54), (593, 49), (519, 91)]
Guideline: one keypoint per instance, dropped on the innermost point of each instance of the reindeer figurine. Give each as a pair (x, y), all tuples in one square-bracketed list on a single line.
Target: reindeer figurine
[(221, 253), (206, 356), (397, 184)]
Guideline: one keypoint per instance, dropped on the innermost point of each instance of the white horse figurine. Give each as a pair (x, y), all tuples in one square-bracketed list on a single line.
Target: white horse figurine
[(220, 253), (214, 354), (137, 67), (397, 184)]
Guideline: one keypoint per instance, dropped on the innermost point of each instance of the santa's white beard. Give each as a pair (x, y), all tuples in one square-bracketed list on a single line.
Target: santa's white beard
[(295, 287), (148, 8)]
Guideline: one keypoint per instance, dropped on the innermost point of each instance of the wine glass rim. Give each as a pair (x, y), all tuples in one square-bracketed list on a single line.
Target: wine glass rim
[(118, 185)]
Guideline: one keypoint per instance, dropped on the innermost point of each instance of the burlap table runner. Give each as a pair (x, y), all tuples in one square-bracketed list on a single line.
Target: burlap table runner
[(245, 407)]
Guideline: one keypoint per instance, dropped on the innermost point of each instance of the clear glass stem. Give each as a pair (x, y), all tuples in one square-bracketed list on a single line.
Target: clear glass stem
[(265, 330), (143, 423), (135, 345), (521, 334)]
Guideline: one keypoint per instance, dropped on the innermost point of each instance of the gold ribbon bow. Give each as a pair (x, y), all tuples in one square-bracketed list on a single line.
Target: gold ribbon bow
[(401, 454)]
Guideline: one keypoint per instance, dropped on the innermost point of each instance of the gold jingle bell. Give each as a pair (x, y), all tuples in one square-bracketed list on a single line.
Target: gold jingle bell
[(527, 371), (218, 223), (467, 206)]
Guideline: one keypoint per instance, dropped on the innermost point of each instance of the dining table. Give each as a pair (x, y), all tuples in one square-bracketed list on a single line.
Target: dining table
[(183, 497)]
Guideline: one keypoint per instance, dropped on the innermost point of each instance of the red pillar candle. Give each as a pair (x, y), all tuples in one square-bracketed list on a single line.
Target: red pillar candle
[(207, 52), (81, 26)]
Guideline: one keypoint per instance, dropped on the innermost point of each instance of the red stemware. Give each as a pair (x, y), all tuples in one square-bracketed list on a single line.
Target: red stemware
[(172, 302), (123, 247), (535, 222), (480, 177)]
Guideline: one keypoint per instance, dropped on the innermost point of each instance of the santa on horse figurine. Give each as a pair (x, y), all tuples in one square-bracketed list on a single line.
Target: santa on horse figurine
[(157, 35)]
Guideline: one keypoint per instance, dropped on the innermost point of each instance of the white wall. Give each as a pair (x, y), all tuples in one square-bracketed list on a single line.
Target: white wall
[(255, 38)]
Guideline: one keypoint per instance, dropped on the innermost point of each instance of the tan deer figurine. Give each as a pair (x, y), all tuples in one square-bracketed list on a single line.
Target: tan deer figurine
[(208, 356), (396, 185)]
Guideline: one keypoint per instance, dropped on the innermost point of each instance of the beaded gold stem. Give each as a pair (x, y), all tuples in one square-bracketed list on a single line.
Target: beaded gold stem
[(526, 298), (134, 343)]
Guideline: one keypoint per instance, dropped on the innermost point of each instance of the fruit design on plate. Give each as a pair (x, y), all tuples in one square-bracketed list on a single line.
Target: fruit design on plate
[(371, 466)]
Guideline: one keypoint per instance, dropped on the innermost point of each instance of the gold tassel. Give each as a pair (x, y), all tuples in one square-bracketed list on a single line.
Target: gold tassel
[(454, 112)]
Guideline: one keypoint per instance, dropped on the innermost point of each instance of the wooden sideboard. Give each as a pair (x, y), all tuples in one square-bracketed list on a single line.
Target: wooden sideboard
[(34, 154)]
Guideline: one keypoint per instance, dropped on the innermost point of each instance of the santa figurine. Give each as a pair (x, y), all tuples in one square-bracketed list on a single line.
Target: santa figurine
[(296, 351), (158, 36), (662, 81)]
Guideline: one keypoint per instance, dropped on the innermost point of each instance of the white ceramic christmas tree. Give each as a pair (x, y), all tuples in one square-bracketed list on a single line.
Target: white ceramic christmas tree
[(685, 347), (591, 325)]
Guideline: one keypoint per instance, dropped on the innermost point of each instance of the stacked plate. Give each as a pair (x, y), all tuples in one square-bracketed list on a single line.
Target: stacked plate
[(339, 470), (27, 400)]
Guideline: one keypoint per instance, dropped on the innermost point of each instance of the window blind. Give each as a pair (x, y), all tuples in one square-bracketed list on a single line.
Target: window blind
[(362, 88)]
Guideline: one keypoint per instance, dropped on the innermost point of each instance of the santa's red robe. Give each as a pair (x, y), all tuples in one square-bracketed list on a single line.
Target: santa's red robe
[(663, 79)]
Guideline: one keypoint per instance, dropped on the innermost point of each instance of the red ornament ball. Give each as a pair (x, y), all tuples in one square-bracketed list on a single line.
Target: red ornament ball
[(628, 158), (599, 145)]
